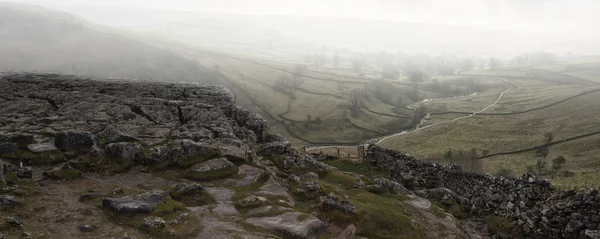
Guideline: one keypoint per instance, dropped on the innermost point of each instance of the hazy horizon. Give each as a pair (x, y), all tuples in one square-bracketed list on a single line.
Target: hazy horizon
[(548, 17)]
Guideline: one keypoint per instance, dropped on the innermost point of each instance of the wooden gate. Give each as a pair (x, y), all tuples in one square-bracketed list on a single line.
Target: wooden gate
[(361, 151)]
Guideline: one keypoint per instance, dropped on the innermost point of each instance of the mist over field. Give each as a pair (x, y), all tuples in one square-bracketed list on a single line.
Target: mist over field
[(299, 119)]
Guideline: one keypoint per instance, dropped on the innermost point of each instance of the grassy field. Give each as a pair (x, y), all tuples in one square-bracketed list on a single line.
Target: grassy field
[(535, 99), (324, 93), (574, 115)]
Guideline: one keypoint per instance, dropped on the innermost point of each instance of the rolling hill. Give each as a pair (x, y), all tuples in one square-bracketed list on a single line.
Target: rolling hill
[(38, 39)]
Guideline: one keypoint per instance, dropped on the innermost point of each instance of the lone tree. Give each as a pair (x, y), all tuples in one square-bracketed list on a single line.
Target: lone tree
[(543, 152), (356, 101), (558, 162)]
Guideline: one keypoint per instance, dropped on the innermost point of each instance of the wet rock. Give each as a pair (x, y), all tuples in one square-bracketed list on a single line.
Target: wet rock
[(252, 201), (74, 140), (348, 233), (212, 169), (91, 194), (333, 203), (87, 228), (187, 188), (8, 148), (125, 151), (13, 222), (111, 134), (309, 187), (9, 201), (291, 225), (593, 234), (295, 159), (191, 153), (154, 223), (25, 172), (137, 204), (235, 153), (383, 185), (272, 188), (439, 195), (42, 148), (274, 148)]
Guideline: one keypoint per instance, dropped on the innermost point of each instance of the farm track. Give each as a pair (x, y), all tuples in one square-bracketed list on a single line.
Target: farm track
[(545, 145), (322, 145), (524, 111)]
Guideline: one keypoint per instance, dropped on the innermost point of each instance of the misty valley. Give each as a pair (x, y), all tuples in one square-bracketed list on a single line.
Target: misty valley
[(292, 120)]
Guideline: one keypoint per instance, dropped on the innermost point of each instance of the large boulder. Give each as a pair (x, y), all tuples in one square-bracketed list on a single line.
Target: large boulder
[(75, 140), (212, 169), (291, 225), (274, 148), (190, 153), (136, 204), (126, 151)]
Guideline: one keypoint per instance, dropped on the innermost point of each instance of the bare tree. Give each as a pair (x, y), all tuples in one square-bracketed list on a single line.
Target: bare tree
[(356, 98)]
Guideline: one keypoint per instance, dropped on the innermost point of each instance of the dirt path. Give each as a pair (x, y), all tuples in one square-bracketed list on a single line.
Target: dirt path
[(516, 86), (493, 104)]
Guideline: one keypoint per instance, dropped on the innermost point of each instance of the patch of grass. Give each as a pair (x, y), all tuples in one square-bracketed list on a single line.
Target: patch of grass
[(360, 168), (168, 207), (497, 224), (11, 178), (243, 192), (383, 217), (437, 211), (188, 162), (39, 158), (277, 161), (212, 175), (199, 198), (340, 179), (65, 174), (187, 227), (456, 210), (300, 171)]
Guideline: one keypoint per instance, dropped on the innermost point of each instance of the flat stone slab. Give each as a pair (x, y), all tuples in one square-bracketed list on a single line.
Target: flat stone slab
[(291, 224), (42, 148)]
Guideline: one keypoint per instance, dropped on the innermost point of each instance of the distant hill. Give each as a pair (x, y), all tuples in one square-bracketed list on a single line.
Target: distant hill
[(38, 39)]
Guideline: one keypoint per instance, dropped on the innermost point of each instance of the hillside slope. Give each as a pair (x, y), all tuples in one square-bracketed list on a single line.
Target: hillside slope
[(37, 39)]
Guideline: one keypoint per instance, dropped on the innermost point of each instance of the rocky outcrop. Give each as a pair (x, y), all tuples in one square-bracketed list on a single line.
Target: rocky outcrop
[(136, 204), (212, 169), (294, 159), (125, 151), (332, 202), (539, 210)]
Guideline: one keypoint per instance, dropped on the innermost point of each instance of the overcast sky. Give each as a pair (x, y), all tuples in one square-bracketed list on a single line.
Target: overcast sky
[(544, 16)]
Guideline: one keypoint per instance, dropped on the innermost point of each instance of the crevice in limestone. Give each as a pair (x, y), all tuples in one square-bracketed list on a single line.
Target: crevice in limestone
[(52, 103), (138, 110), (182, 119)]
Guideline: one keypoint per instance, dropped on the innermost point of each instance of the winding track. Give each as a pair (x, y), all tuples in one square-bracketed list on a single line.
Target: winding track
[(324, 145)]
